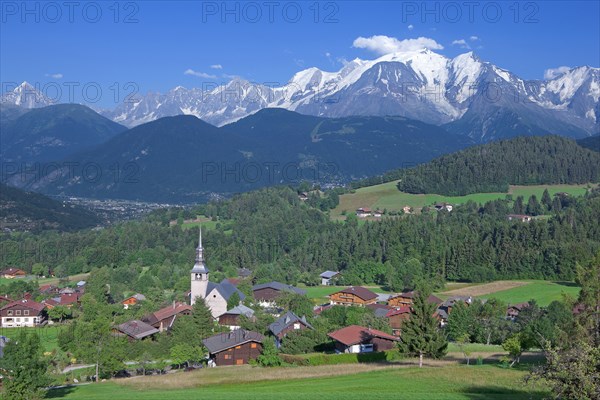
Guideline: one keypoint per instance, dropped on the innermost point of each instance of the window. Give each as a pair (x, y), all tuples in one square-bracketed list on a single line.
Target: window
[(18, 320), (296, 325), (253, 345), (238, 347), (239, 362), (25, 312), (18, 312), (9, 312), (228, 356), (25, 319)]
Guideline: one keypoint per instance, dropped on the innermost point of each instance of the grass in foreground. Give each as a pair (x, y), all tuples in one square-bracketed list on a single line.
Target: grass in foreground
[(440, 383)]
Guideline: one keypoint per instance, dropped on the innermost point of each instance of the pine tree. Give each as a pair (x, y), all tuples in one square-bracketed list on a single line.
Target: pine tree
[(547, 200), (519, 207), (421, 335), (24, 368), (203, 319)]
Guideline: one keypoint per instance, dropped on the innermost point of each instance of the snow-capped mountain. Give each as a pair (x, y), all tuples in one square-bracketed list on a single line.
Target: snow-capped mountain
[(464, 93), (26, 96)]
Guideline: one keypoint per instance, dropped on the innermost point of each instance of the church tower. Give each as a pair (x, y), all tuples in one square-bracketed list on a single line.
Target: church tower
[(199, 274)]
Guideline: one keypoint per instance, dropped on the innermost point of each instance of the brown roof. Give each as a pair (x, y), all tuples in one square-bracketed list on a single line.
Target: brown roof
[(399, 310), (413, 293), (168, 312), (25, 303), (69, 298), (227, 340), (13, 271), (359, 291), (355, 334)]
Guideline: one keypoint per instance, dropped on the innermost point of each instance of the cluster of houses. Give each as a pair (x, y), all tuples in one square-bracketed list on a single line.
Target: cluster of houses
[(238, 346), (365, 212)]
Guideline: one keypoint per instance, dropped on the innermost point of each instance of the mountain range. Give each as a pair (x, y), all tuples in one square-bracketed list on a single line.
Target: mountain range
[(464, 94)]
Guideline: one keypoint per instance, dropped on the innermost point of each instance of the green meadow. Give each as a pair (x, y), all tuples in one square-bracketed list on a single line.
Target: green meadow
[(544, 292), (387, 196)]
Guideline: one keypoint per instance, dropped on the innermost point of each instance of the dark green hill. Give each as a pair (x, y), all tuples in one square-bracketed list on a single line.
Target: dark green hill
[(592, 143), (494, 166), (54, 132), (21, 210)]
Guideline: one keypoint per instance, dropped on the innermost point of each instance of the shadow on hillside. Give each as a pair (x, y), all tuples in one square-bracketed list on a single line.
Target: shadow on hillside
[(498, 392), (60, 392), (569, 284)]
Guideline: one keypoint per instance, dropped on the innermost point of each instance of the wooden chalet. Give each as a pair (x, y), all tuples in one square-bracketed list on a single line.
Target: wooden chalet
[(398, 316), (25, 312), (353, 295), (287, 323), (407, 299), (363, 212), (358, 339), (135, 330), (133, 300), (237, 347), (513, 310), (231, 318), (11, 273), (164, 318), (267, 293)]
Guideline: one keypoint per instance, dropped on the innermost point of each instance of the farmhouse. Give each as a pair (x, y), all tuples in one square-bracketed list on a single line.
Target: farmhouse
[(353, 295), (234, 348), (11, 273), (513, 310), (48, 289), (328, 277), (358, 339), (286, 323), (363, 212), (267, 293), (377, 213), (133, 300), (216, 295), (135, 330), (406, 209), (407, 299), (23, 312), (164, 319), (519, 217), (443, 206), (231, 318), (396, 317)]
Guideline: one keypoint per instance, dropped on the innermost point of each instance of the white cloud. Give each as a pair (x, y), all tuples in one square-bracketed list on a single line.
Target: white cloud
[(55, 76), (216, 66), (381, 44), (554, 72), (411, 27), (474, 38), (327, 54), (462, 43), (190, 71)]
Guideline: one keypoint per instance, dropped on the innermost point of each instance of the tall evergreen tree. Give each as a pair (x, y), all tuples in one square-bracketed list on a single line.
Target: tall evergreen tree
[(547, 200), (421, 334), (24, 368), (203, 319)]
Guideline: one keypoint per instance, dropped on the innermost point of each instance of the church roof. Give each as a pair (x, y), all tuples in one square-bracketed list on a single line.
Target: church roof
[(225, 288), (199, 268)]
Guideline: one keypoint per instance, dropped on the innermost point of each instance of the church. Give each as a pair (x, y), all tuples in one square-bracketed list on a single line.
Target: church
[(215, 295)]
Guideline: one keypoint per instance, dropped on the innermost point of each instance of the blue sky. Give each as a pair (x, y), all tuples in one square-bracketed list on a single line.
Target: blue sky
[(153, 43)]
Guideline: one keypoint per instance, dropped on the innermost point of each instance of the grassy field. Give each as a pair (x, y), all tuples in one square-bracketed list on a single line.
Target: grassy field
[(48, 335), (320, 293), (544, 292), (447, 383), (387, 196)]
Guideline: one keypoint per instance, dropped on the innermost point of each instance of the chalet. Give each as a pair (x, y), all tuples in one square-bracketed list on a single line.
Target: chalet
[(11, 273), (135, 330), (363, 212), (231, 318), (267, 293), (164, 319), (287, 323), (407, 299), (133, 300), (443, 206), (353, 295), (380, 310), (398, 316), (49, 289), (513, 310), (23, 313), (234, 348), (358, 339), (377, 213), (68, 299), (303, 196), (519, 217), (328, 277)]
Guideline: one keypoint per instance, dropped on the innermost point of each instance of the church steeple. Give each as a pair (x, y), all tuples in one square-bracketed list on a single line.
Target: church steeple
[(199, 274), (199, 266)]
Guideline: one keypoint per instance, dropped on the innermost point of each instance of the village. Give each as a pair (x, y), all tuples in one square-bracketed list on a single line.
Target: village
[(234, 345)]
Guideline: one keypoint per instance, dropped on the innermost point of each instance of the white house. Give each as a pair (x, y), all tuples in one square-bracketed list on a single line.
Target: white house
[(23, 312)]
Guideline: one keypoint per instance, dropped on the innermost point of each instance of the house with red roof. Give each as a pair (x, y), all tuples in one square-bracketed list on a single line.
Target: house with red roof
[(164, 318), (24, 312), (359, 339)]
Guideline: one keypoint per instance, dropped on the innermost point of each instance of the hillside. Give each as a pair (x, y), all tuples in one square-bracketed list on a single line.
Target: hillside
[(20, 210), (183, 159), (493, 167), (52, 133), (592, 143)]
